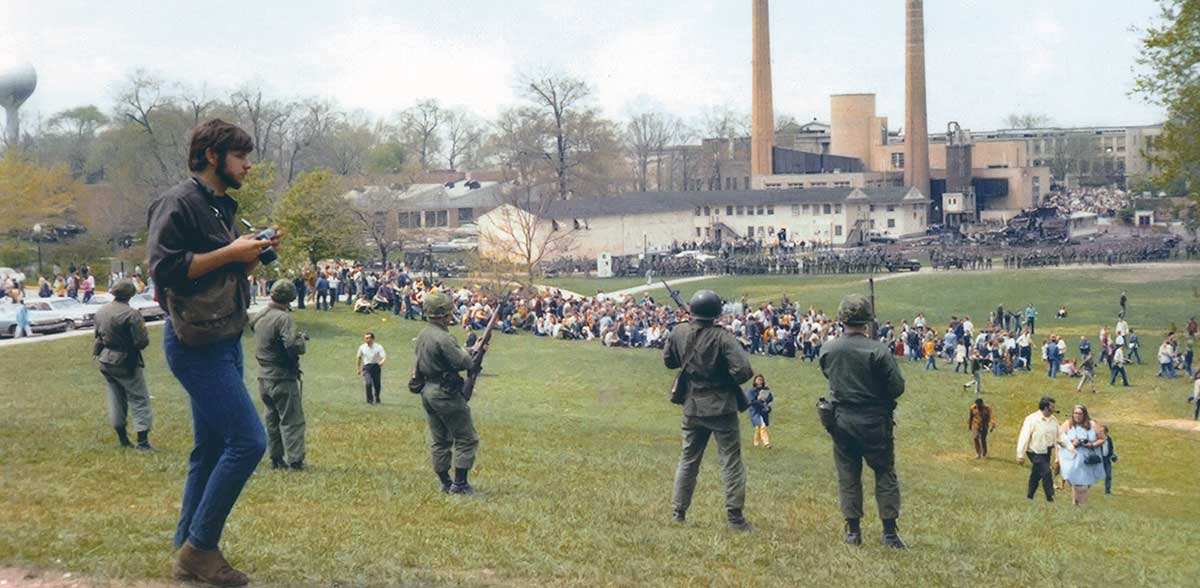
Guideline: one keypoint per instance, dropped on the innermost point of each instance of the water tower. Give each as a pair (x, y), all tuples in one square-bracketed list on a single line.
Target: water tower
[(17, 83)]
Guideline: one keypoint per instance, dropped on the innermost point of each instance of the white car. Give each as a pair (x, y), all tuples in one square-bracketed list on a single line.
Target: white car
[(40, 321), (143, 303), (76, 313)]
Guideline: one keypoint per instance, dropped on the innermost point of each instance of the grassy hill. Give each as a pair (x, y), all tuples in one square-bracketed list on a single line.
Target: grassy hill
[(578, 452)]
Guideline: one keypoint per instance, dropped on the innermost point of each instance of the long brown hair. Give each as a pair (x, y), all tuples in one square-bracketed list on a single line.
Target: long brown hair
[(756, 378), (1087, 418)]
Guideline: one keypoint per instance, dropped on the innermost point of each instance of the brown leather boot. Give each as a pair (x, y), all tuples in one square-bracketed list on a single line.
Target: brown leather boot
[(194, 564)]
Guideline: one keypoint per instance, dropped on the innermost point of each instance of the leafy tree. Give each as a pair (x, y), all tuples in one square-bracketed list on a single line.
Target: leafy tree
[(1170, 58), (388, 157), (30, 193), (256, 197), (317, 222)]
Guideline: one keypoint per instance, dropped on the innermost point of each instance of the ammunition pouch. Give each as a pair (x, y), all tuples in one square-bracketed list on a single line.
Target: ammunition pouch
[(416, 382)]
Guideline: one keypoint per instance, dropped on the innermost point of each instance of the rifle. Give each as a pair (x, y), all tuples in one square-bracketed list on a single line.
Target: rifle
[(873, 328), (676, 296), (477, 353)]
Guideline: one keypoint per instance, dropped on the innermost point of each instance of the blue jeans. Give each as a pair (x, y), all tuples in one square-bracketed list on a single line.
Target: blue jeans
[(1053, 367), (229, 437)]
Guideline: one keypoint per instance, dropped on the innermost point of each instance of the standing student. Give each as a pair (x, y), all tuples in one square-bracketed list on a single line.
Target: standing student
[(1080, 456), (199, 266), (1108, 451), (980, 421), (761, 399), (369, 361), (1117, 366), (1036, 441)]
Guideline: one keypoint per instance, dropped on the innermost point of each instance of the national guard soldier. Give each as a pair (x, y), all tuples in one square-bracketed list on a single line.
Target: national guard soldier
[(120, 338), (452, 437), (714, 366), (278, 346), (864, 383)]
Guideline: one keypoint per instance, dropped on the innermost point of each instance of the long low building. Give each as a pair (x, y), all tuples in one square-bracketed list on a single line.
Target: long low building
[(652, 221)]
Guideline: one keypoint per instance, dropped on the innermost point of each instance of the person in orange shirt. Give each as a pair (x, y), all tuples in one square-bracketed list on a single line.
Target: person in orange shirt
[(930, 357)]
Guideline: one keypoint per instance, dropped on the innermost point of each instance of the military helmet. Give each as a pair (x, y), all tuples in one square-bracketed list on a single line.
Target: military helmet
[(855, 309), (123, 290), (436, 305), (705, 304), (283, 291)]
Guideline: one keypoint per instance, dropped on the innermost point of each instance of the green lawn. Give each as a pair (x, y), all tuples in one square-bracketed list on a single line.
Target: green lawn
[(588, 286), (578, 452)]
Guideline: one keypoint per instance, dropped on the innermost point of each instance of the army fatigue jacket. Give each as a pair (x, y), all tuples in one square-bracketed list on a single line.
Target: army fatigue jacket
[(278, 345), (716, 370), (862, 373), (438, 354), (120, 335)]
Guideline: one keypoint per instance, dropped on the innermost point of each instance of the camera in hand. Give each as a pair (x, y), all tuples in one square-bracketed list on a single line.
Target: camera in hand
[(266, 256)]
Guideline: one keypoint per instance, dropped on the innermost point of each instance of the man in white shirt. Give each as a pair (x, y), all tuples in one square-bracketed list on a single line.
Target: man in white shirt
[(369, 360), (1038, 437)]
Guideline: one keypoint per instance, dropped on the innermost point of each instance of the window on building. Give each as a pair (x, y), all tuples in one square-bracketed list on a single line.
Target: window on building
[(707, 211), (770, 210), (891, 208), (697, 231), (466, 215), (402, 220), (707, 232), (818, 184), (380, 221), (837, 208), (741, 210), (728, 211), (871, 208), (897, 161), (804, 208), (827, 208), (842, 184), (891, 223), (837, 230), (697, 211), (745, 182), (442, 218), (431, 218), (795, 184), (760, 210), (795, 210)]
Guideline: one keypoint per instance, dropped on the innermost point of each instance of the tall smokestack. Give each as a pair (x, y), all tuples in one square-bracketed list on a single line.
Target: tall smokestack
[(916, 131), (762, 132)]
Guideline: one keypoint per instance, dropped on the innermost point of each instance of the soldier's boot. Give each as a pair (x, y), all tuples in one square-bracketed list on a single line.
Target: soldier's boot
[(208, 566), (123, 437), (143, 441), (891, 535), (679, 517), (737, 521), (853, 533), (444, 479), (766, 437), (277, 463), (296, 466), (460, 485)]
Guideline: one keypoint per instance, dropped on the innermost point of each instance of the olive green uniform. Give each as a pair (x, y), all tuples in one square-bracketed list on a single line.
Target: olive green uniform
[(452, 436), (864, 383), (120, 338), (278, 345), (715, 370)]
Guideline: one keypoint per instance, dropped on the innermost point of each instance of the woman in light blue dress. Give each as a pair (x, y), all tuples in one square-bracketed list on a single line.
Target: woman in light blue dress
[(1079, 454)]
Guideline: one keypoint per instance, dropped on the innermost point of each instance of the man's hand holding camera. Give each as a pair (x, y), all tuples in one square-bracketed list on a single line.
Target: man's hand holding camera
[(249, 248)]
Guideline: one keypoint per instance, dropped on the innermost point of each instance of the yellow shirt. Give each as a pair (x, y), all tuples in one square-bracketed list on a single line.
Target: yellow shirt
[(1038, 434)]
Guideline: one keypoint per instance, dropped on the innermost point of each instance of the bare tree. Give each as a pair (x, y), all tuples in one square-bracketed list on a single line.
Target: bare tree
[(419, 129), (558, 96), (373, 207), (264, 117), (197, 102), (1028, 120), (463, 137), (316, 118), (647, 136), (522, 230), (139, 103)]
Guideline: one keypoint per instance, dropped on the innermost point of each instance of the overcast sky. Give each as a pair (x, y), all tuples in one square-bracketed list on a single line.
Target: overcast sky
[(1069, 59)]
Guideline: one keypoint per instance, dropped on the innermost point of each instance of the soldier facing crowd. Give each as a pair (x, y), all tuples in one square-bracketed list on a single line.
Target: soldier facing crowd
[(452, 437), (864, 383), (120, 338), (278, 345), (713, 368)]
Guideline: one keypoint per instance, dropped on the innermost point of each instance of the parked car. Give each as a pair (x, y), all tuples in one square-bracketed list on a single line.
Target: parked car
[(143, 303), (40, 321), (76, 313)]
